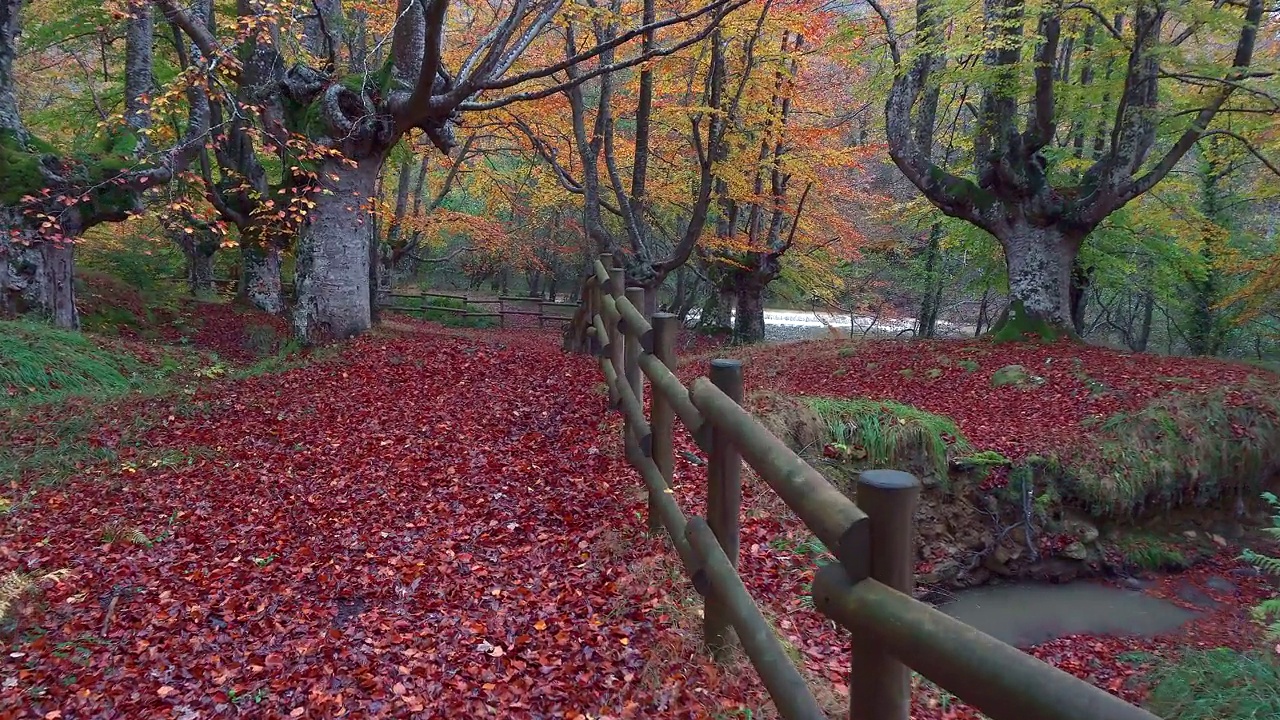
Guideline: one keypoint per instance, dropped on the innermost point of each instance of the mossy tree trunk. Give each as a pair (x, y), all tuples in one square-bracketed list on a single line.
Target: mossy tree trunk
[(200, 271), (1012, 189), (748, 324), (1040, 261)]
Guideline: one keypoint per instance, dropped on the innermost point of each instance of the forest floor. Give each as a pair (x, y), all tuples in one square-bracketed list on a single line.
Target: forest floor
[(425, 522)]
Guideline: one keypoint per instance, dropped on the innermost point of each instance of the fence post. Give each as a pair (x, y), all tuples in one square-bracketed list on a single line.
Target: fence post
[(724, 503), (661, 414), (880, 685), (616, 278), (631, 357)]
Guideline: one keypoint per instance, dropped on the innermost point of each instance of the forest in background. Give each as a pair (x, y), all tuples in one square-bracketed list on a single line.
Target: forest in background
[(1107, 168), (210, 508)]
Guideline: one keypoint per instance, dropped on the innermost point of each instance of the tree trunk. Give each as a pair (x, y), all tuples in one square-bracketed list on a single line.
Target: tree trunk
[(333, 256), (199, 271), (748, 326), (1039, 262), (1144, 328), (260, 277), (928, 321), (717, 312), (1081, 277), (38, 277), (982, 309)]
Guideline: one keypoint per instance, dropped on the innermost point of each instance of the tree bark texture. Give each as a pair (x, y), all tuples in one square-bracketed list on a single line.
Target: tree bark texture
[(333, 258)]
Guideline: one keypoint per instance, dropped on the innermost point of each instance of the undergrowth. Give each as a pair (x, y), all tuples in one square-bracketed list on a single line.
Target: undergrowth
[(39, 363), (1150, 553), (1217, 684), (439, 310), (1180, 450), (1221, 683), (56, 386)]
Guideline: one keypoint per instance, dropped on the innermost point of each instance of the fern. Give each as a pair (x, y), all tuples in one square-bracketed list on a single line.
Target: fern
[(17, 585), (120, 530), (1268, 611)]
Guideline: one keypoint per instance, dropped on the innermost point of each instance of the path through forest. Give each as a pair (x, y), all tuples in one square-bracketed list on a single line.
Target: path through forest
[(418, 527), (425, 524)]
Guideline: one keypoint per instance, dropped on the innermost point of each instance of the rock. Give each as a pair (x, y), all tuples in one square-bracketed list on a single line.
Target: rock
[(1194, 595), (1220, 584), (1018, 536), (996, 564), (1189, 534), (1134, 583), (943, 573), (1075, 551), (929, 531), (979, 576), (1229, 529), (1015, 375), (1218, 540), (1083, 530)]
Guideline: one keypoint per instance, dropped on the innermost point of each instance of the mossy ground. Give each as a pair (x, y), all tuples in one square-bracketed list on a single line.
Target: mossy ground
[(1182, 450)]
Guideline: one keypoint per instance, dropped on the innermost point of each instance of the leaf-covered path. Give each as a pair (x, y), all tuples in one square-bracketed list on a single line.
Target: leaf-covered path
[(412, 529), (426, 525)]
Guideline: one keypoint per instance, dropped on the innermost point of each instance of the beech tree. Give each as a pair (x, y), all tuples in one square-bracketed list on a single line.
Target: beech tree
[(51, 197), (1075, 116), (355, 107), (314, 119)]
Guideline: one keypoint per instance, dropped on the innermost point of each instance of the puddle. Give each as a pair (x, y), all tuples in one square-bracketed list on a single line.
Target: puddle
[(1023, 615)]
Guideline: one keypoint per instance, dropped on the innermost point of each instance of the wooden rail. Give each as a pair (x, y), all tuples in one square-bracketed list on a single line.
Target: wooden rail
[(503, 307), (868, 591)]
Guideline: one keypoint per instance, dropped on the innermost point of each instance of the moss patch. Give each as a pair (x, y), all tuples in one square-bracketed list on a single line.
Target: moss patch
[(887, 434), (1020, 325), (1182, 449)]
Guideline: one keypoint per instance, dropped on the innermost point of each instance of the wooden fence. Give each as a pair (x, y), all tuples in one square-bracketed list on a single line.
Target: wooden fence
[(867, 591), (505, 309)]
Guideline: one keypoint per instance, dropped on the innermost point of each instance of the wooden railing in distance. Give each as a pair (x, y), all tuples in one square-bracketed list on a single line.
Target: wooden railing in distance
[(868, 590), (505, 307)]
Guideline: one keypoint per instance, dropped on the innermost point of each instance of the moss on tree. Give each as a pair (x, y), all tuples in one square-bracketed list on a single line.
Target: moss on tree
[(1019, 325)]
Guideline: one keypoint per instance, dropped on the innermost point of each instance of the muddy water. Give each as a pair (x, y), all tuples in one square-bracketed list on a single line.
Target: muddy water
[(1024, 615)]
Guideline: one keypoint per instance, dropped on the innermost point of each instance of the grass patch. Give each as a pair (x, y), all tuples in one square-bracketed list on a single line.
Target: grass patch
[(1218, 684), (1180, 450), (888, 434), (1150, 553), (40, 363), (57, 387)]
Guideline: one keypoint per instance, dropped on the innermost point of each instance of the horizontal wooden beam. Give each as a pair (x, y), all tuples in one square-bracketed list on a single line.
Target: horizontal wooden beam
[(630, 407), (1003, 682), (634, 324), (665, 505), (665, 383), (787, 689), (837, 522)]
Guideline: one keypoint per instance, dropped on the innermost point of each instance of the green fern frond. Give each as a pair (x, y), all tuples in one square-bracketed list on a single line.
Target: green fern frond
[(1265, 563)]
